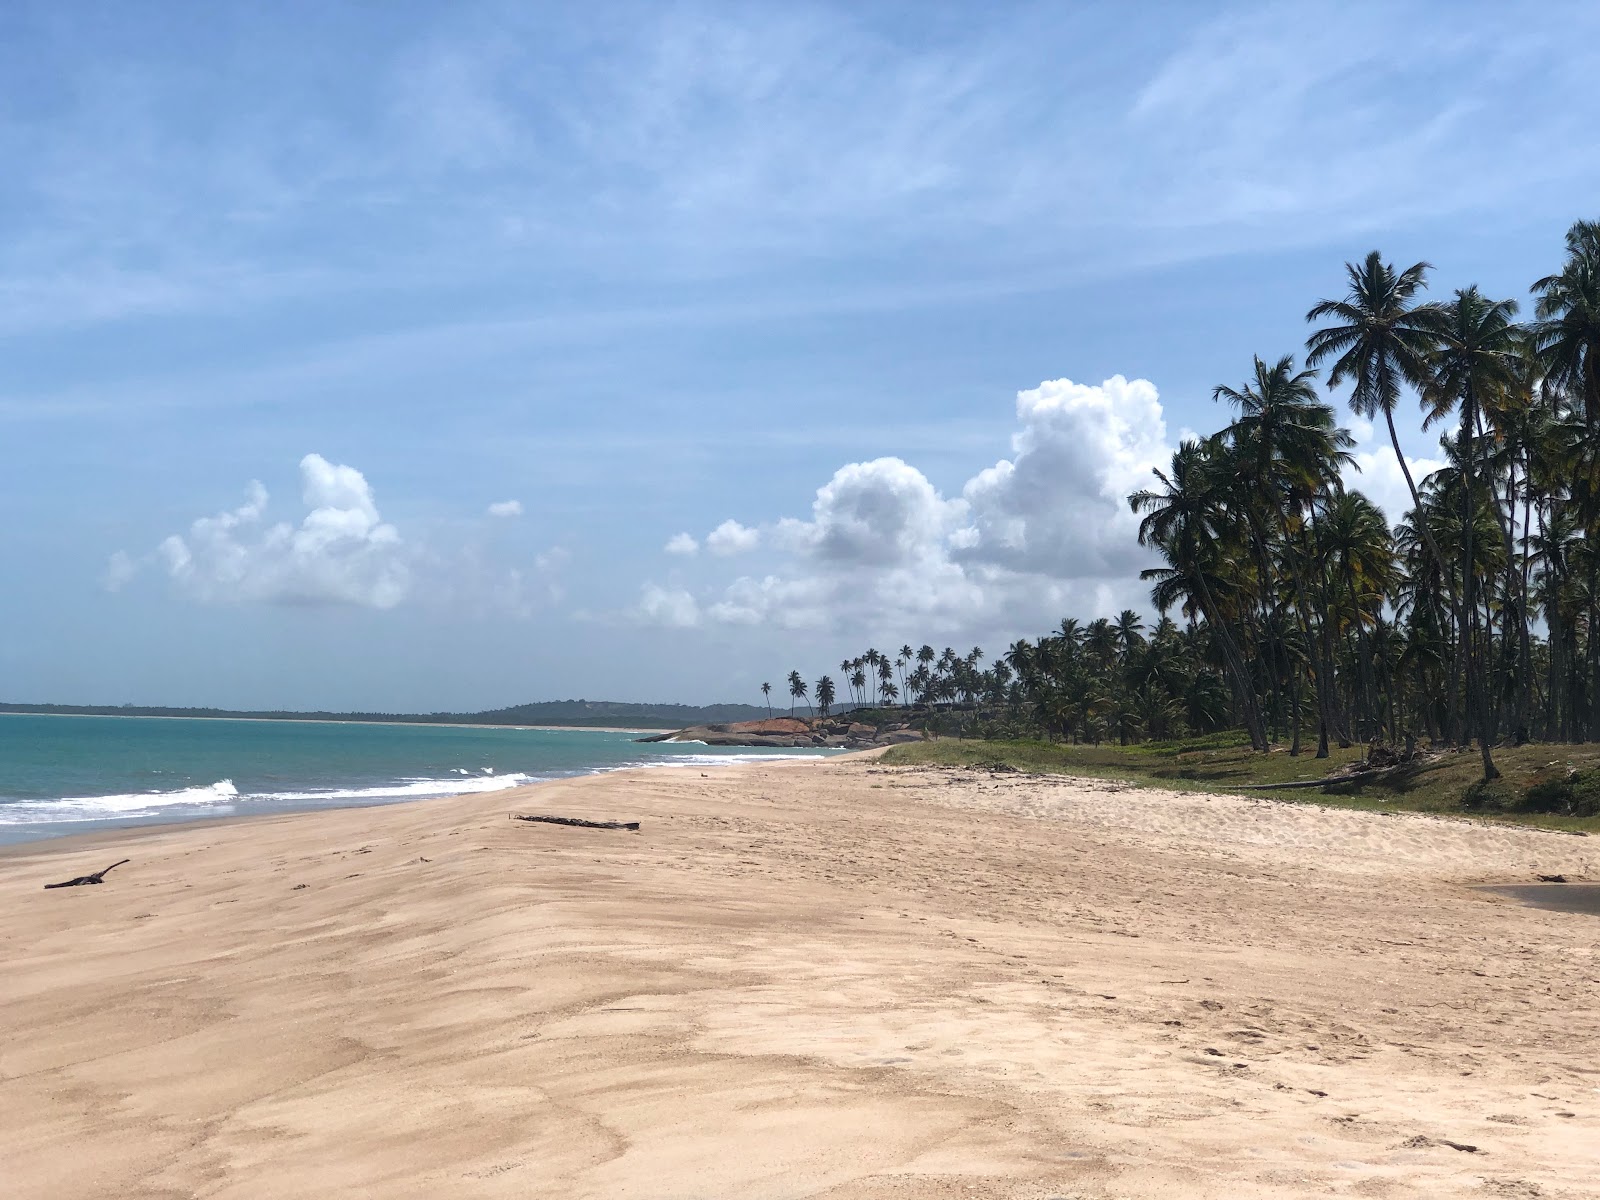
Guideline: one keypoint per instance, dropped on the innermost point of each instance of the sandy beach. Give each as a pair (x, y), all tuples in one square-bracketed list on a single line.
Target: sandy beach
[(801, 979)]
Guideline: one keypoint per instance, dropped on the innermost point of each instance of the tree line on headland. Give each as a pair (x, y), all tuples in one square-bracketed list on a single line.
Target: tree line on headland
[(1474, 620)]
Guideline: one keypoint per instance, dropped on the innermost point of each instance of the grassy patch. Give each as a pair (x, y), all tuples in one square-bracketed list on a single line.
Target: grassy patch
[(1554, 786)]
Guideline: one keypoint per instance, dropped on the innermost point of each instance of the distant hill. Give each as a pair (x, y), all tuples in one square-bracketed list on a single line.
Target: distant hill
[(571, 713)]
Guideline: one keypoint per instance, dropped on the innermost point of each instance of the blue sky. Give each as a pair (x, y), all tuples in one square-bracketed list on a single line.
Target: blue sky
[(868, 312)]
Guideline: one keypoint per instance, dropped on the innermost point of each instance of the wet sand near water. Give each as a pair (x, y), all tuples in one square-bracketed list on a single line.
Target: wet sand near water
[(807, 979)]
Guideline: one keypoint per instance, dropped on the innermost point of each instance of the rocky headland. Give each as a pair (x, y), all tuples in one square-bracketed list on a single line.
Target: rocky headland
[(844, 733)]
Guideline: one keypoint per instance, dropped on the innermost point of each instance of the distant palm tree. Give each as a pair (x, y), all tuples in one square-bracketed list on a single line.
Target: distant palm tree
[(766, 691), (1129, 628), (824, 695), (797, 690)]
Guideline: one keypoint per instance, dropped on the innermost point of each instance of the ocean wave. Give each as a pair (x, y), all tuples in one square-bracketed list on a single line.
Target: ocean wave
[(214, 797), (223, 798), (713, 760), (415, 789)]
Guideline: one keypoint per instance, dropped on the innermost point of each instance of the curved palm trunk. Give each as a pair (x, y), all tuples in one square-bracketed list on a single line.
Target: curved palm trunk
[(1433, 549)]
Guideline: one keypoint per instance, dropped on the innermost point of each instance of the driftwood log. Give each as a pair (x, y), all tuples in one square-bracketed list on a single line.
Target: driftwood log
[(84, 880), (581, 824)]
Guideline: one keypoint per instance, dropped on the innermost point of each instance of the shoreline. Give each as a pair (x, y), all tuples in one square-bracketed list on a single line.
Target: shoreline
[(107, 831), (872, 981)]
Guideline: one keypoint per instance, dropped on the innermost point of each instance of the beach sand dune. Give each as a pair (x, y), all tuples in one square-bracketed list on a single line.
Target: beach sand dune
[(801, 980)]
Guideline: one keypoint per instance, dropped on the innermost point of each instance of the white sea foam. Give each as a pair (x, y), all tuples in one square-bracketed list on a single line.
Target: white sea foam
[(222, 798), (410, 788), (216, 797), (710, 760)]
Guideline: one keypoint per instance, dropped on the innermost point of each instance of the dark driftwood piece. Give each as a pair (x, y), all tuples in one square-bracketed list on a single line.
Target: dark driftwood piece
[(82, 880), (581, 824)]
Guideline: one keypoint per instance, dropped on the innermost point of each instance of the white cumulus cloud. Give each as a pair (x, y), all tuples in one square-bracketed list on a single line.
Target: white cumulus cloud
[(682, 543), (1378, 475), (505, 508), (341, 552), (672, 607), (1045, 531), (732, 538), (1058, 507)]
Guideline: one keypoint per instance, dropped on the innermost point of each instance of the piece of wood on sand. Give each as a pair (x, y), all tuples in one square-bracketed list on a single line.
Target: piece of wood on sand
[(576, 821), (85, 880)]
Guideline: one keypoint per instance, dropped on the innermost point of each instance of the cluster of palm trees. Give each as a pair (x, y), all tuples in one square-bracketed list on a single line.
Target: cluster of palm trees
[(1083, 682), (875, 680), (1477, 618)]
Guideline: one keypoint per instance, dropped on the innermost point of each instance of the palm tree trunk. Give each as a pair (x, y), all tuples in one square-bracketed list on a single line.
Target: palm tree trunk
[(1476, 700), (1236, 668)]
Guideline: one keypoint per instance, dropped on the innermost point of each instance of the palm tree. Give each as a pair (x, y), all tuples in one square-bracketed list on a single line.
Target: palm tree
[(1568, 326), (1129, 628), (824, 695), (1285, 451), (1184, 521), (766, 692), (1383, 340), (797, 690), (1476, 360)]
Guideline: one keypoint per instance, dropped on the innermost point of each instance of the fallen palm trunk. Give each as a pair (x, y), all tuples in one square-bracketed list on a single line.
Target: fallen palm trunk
[(84, 880), (580, 823)]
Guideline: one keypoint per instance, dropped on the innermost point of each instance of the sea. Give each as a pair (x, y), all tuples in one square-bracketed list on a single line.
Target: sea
[(70, 774)]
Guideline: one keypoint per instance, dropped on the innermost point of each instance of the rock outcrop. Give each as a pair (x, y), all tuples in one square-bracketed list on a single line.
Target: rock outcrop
[(841, 733)]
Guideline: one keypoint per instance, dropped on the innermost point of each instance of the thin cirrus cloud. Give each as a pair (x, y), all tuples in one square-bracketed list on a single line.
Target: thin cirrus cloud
[(505, 508), (727, 131)]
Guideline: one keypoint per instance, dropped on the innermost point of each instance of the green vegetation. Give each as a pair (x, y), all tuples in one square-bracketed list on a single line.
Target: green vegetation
[(1554, 786)]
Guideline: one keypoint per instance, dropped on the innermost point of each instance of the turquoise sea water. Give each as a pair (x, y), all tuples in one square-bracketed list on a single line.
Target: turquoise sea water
[(61, 775)]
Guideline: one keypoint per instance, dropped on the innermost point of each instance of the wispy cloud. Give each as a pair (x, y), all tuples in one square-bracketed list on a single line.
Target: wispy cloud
[(695, 142)]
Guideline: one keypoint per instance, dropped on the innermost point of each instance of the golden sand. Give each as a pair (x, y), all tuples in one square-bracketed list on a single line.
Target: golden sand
[(801, 980)]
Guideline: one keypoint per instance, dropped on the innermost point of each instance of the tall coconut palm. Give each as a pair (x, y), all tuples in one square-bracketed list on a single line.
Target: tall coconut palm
[(766, 693), (1476, 359), (1568, 325), (1286, 451), (797, 690), (1380, 341), (1183, 519)]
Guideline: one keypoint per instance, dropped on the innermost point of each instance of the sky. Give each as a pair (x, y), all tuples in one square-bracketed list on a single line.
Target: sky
[(411, 357)]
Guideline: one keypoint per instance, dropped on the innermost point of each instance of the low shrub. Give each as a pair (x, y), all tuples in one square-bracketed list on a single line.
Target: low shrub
[(1492, 796), (1575, 794)]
